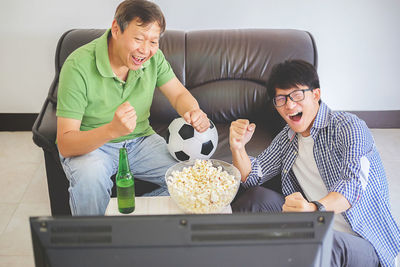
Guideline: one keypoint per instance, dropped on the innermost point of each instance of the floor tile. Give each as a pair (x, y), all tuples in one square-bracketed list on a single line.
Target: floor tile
[(16, 238), (7, 211), (37, 191), (388, 143), (15, 179), (18, 147), (17, 261)]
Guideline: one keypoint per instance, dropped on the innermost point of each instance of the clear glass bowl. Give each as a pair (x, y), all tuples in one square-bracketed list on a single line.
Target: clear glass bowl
[(207, 194)]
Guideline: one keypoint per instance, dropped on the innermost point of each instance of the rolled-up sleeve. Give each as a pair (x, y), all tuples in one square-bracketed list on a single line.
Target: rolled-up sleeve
[(356, 144), (266, 165)]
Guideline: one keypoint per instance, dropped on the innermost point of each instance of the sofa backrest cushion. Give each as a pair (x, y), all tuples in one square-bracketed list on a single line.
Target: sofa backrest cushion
[(227, 70)]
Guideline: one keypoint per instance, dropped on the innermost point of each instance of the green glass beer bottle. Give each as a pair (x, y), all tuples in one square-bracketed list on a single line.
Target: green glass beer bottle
[(125, 184)]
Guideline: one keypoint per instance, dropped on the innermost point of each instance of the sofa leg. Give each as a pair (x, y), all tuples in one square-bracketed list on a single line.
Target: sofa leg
[(57, 184)]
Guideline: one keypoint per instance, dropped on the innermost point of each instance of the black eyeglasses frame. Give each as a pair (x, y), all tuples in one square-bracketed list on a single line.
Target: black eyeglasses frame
[(289, 95)]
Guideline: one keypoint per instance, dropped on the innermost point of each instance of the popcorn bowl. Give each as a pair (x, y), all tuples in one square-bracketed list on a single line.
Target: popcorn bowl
[(203, 186)]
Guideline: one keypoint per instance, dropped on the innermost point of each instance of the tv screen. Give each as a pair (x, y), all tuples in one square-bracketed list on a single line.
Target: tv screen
[(241, 239)]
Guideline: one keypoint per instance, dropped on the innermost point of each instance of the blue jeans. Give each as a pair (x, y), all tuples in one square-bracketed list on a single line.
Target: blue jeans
[(90, 174)]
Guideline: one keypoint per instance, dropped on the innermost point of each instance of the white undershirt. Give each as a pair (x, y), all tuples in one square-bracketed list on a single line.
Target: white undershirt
[(307, 174)]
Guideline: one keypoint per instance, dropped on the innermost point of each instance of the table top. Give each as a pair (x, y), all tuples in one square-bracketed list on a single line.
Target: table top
[(160, 205)]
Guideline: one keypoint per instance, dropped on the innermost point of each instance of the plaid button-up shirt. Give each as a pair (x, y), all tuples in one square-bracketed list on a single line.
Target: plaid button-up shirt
[(349, 163)]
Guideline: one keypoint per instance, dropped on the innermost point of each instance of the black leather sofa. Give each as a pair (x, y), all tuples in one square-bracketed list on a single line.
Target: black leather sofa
[(225, 70)]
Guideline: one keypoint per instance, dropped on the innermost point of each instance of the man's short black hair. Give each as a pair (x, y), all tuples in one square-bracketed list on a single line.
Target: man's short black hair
[(146, 11), (291, 74)]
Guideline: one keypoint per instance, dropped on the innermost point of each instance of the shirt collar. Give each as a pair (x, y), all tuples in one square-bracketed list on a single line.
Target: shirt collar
[(321, 120), (103, 61)]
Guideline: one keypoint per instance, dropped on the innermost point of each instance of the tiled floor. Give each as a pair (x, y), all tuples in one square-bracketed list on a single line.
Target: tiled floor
[(23, 193), (23, 189)]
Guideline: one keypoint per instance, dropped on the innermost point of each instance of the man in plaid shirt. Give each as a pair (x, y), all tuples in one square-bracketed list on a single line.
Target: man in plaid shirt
[(327, 161)]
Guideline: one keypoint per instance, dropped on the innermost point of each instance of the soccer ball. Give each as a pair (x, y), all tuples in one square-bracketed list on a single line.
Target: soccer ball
[(185, 143)]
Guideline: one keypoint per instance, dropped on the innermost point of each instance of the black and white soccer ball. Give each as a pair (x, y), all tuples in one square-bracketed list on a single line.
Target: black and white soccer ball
[(185, 143)]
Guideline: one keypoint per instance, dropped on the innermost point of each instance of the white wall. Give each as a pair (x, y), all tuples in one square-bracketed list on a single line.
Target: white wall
[(357, 42)]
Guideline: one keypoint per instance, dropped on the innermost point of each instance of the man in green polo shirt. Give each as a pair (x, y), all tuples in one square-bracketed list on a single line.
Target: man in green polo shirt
[(105, 92)]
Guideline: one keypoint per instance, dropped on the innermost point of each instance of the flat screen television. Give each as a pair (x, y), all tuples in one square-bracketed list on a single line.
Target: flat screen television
[(242, 239)]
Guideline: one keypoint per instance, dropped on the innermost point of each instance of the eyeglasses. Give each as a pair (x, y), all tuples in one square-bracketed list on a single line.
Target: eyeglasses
[(295, 96)]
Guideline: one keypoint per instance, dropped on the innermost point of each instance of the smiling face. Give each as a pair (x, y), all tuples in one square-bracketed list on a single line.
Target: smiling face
[(300, 115), (131, 48)]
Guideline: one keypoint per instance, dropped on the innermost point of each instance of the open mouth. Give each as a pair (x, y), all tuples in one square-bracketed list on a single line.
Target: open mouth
[(296, 116), (138, 60)]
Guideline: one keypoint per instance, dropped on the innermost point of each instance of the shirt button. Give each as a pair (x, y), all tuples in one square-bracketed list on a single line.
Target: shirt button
[(120, 84), (294, 152), (284, 171)]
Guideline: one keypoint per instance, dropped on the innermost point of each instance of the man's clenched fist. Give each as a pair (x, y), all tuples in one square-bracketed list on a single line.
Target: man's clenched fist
[(240, 133), (124, 121)]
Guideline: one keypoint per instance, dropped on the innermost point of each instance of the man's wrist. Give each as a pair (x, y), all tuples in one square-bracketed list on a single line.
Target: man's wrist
[(237, 151), (110, 131), (319, 206)]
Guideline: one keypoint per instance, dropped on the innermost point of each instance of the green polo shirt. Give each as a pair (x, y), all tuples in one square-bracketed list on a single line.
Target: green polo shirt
[(89, 91)]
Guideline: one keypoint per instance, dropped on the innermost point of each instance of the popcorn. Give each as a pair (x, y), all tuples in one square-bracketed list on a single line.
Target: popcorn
[(202, 188)]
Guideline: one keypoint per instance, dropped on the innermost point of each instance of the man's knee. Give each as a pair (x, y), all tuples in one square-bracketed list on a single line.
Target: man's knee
[(90, 192), (90, 183), (89, 169), (349, 250), (259, 199)]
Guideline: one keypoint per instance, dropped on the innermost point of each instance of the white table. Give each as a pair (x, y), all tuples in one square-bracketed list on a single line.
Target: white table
[(152, 206)]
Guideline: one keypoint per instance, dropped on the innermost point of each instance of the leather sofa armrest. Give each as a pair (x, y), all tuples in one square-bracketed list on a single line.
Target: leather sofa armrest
[(45, 127)]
